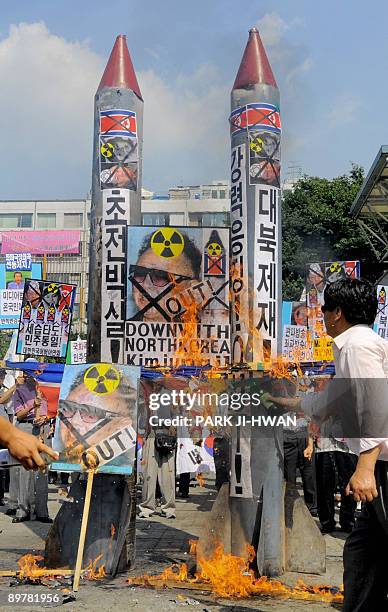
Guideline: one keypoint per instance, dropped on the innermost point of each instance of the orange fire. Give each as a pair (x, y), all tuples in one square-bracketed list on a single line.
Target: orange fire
[(230, 576), (29, 568), (200, 479), (92, 572)]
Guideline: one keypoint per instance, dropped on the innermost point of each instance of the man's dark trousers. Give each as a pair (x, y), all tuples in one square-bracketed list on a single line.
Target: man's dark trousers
[(326, 463), (294, 445), (365, 553)]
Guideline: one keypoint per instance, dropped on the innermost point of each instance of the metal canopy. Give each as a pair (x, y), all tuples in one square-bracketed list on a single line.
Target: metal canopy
[(370, 206)]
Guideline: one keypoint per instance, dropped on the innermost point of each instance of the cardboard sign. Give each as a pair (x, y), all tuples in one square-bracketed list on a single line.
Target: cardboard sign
[(97, 418), (177, 296), (323, 349), (45, 318), (12, 282)]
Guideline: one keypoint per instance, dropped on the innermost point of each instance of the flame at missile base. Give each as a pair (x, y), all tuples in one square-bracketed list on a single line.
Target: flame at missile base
[(201, 481), (229, 576), (30, 568)]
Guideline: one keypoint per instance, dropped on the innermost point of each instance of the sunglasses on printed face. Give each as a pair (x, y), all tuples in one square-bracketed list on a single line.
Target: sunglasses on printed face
[(88, 414), (159, 278)]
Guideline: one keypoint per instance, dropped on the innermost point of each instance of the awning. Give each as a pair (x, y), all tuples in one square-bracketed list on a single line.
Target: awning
[(370, 206)]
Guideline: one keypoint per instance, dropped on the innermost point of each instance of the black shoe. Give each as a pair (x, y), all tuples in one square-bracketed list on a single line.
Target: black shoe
[(347, 528), (21, 519), (182, 495), (44, 519), (10, 512), (328, 528)]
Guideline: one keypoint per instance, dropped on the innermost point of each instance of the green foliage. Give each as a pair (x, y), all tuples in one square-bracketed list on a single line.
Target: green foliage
[(317, 227)]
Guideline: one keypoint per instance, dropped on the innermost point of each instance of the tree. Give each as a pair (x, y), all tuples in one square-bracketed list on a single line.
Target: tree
[(317, 227)]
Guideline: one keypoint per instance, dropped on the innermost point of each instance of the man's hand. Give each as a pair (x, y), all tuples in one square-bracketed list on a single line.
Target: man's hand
[(363, 485), (308, 452), (24, 447)]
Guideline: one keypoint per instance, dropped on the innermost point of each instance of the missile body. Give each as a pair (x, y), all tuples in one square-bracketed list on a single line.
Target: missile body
[(255, 208), (116, 200)]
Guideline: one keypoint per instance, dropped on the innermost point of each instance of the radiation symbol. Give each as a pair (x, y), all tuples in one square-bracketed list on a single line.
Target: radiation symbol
[(107, 150), (256, 145), (52, 288), (214, 249), (167, 242), (335, 267), (102, 379)]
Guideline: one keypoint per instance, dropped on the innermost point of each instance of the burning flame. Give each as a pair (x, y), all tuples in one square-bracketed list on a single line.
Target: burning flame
[(230, 576), (91, 572), (29, 568), (200, 479)]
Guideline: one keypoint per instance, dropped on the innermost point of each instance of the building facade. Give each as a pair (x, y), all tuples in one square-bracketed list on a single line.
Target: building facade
[(198, 205)]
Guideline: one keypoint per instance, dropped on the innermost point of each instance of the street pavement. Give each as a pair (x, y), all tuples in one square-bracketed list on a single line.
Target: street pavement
[(160, 542)]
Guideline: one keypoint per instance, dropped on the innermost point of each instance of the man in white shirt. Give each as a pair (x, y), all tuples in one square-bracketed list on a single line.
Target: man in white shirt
[(350, 307)]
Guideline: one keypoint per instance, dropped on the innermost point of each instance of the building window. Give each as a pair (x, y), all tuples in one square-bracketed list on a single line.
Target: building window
[(46, 220), (13, 220), (73, 220), (222, 194), (218, 219), (162, 219), (214, 194)]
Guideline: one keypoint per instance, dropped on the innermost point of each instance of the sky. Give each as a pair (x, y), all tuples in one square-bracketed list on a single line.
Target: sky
[(330, 60)]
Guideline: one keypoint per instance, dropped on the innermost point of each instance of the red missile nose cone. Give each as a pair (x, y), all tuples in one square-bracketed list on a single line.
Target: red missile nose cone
[(119, 71), (255, 67)]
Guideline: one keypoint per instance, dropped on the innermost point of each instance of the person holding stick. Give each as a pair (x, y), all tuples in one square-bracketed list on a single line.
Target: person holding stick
[(360, 355), (31, 415), (24, 447)]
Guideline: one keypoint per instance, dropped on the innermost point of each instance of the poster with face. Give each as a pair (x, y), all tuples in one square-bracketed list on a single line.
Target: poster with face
[(318, 276), (13, 274), (381, 321), (264, 157), (97, 418), (45, 318), (177, 296)]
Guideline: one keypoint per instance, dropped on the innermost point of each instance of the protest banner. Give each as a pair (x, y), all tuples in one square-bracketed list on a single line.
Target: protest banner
[(295, 345), (381, 321), (45, 318), (318, 276), (177, 296), (195, 457), (78, 351), (96, 418), (13, 274), (41, 242)]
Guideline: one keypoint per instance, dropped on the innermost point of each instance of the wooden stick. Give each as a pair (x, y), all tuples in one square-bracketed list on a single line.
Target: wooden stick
[(82, 535), (37, 573)]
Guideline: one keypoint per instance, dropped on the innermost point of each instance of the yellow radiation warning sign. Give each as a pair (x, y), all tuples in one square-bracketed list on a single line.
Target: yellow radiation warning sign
[(214, 249), (102, 379), (107, 149), (167, 242), (256, 144), (335, 267), (52, 288)]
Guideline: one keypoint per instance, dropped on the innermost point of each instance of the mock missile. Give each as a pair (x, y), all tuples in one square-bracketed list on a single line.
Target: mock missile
[(116, 200), (255, 208)]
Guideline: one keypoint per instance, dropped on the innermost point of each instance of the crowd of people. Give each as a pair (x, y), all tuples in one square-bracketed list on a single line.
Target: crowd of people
[(25, 429), (348, 471)]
